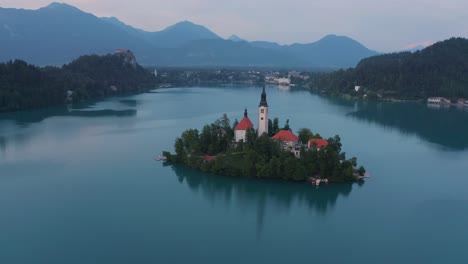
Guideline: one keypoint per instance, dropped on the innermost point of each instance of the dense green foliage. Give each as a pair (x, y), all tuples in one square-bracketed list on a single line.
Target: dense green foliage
[(259, 157), (439, 70), (24, 86)]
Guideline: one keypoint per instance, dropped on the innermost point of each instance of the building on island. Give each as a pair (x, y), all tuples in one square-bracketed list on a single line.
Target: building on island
[(288, 140), (122, 51), (263, 114), (317, 143), (240, 131)]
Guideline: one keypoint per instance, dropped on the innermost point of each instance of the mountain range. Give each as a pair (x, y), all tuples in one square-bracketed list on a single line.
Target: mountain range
[(58, 33)]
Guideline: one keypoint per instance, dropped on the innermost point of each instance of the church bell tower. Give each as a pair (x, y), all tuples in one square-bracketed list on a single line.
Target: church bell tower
[(263, 114)]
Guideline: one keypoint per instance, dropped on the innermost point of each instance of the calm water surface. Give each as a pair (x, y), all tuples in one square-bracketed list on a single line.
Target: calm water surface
[(80, 185)]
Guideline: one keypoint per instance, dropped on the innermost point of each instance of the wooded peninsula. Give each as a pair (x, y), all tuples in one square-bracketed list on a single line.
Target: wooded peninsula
[(24, 86)]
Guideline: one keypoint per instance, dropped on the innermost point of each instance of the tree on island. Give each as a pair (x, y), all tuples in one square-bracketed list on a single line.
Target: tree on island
[(304, 135), (273, 126)]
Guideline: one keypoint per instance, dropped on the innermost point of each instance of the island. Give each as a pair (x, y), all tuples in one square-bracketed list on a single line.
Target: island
[(268, 152)]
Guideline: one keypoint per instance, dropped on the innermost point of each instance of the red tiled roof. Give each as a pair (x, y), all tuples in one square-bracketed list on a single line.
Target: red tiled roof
[(320, 142), (244, 124), (285, 135), (209, 158)]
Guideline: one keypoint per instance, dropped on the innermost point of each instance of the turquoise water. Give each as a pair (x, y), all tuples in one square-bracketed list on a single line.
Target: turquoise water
[(79, 185)]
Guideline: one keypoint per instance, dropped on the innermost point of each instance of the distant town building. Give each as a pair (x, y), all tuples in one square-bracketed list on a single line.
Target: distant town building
[(438, 100), (357, 88), (295, 74)]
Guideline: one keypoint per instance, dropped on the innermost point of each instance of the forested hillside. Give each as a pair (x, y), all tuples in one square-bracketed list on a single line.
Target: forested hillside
[(24, 86), (439, 70)]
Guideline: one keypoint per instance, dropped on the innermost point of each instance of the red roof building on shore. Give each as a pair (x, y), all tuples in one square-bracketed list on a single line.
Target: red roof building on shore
[(285, 135), (319, 143)]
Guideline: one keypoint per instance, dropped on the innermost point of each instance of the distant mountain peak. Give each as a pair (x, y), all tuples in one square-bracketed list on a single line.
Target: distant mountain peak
[(186, 22), (235, 38), (335, 37), (114, 21), (69, 32), (55, 5), (182, 24), (190, 28), (112, 18)]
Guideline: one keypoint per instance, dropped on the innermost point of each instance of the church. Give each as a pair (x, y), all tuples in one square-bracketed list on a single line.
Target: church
[(240, 131), (287, 137), (288, 140)]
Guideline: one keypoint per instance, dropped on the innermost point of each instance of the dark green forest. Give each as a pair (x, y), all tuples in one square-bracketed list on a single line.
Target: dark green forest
[(24, 86), (260, 157), (438, 70)]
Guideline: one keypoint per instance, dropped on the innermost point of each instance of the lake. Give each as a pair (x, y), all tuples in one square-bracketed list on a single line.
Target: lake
[(80, 184)]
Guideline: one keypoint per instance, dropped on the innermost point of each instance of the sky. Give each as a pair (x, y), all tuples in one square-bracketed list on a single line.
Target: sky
[(384, 26)]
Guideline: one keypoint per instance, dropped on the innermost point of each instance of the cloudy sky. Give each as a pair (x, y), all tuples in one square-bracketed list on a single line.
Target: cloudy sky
[(380, 25)]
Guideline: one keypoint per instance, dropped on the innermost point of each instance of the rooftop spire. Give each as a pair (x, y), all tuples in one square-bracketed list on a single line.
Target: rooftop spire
[(263, 101), (245, 112)]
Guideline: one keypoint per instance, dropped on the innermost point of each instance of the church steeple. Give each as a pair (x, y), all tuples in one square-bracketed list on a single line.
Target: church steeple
[(263, 101), (245, 112), (262, 114)]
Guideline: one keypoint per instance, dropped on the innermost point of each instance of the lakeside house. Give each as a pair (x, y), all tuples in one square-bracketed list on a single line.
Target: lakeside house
[(438, 100), (462, 102)]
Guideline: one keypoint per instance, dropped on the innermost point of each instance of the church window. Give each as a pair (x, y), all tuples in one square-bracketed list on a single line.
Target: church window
[(262, 111)]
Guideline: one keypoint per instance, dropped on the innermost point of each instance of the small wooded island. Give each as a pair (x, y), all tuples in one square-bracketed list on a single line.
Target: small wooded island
[(268, 152)]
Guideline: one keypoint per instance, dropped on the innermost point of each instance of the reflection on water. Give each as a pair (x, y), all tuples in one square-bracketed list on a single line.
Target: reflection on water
[(261, 195), (18, 133), (446, 127), (130, 102), (25, 118), (103, 113), (3, 145)]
